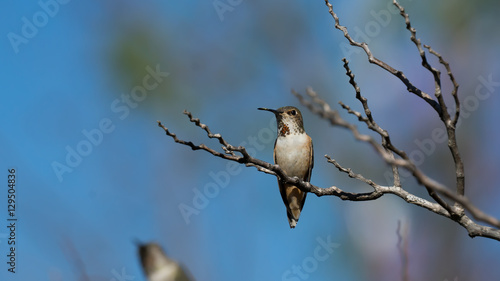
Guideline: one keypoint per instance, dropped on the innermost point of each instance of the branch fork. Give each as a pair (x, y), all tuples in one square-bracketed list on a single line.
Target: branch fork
[(393, 156)]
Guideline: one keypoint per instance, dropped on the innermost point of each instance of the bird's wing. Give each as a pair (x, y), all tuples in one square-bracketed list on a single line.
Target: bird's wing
[(311, 165), (280, 183), (308, 174)]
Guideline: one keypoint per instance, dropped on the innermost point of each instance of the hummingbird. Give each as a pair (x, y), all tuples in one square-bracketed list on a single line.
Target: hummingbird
[(293, 152), (158, 267)]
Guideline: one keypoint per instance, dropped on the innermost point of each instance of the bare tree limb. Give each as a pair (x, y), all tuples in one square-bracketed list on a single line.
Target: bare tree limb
[(393, 156), (429, 183), (379, 190), (445, 117), (372, 59), (454, 92), (386, 140)]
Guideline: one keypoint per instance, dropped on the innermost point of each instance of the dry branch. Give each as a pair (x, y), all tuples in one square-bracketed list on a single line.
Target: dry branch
[(393, 156)]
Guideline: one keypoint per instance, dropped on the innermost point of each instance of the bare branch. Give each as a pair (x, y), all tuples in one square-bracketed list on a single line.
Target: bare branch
[(454, 92), (435, 72), (379, 190), (451, 126), (386, 149), (209, 133), (197, 147), (445, 117), (350, 173), (372, 59), (386, 140), (430, 184), (370, 122), (268, 168), (362, 99), (442, 111)]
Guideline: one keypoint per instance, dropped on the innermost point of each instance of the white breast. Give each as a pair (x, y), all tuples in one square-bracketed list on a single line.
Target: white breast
[(293, 153)]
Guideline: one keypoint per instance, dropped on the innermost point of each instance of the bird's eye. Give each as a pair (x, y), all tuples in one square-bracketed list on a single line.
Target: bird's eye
[(293, 112)]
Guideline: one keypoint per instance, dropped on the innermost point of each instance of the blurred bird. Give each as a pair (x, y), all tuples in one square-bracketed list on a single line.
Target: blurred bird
[(293, 152), (158, 267)]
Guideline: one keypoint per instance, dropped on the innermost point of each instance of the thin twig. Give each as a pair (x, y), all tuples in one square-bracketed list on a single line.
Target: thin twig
[(454, 92), (372, 59)]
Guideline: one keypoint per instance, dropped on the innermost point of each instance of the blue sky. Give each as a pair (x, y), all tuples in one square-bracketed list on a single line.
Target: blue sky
[(80, 65)]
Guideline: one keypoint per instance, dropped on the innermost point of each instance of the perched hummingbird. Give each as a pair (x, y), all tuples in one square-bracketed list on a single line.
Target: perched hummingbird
[(158, 267), (293, 152)]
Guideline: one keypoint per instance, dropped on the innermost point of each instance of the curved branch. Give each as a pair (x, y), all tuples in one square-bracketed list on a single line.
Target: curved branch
[(386, 149), (372, 59), (379, 190)]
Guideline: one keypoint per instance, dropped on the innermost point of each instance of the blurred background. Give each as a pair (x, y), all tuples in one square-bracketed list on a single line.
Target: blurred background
[(84, 83)]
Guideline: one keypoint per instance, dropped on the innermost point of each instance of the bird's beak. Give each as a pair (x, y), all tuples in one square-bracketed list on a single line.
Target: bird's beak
[(267, 109)]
